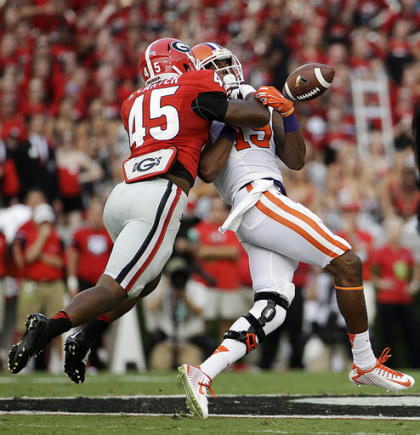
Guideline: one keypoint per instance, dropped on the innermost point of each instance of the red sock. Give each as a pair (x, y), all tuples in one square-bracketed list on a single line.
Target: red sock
[(58, 324)]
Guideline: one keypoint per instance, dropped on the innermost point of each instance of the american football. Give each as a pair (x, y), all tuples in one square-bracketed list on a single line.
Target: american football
[(309, 81)]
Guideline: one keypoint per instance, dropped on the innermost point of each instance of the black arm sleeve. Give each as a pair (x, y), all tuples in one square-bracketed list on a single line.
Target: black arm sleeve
[(212, 106)]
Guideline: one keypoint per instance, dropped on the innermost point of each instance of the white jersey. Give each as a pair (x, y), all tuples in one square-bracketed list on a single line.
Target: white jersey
[(253, 157)]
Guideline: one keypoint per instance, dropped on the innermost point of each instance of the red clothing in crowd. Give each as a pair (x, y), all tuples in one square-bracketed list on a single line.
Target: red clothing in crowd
[(301, 276), (68, 180), (224, 271), (94, 248), (243, 267), (39, 270), (394, 264), (3, 252)]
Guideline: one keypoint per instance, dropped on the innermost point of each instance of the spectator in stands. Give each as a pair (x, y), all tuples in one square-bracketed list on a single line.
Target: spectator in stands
[(86, 259), (174, 315), (75, 168), (404, 194), (38, 249), (35, 161), (62, 60), (393, 277), (217, 255), (9, 175)]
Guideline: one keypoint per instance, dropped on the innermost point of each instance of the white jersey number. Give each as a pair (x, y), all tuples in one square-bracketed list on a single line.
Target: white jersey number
[(136, 129)]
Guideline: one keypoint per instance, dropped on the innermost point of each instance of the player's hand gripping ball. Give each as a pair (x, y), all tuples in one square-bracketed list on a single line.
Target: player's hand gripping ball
[(270, 96), (309, 81)]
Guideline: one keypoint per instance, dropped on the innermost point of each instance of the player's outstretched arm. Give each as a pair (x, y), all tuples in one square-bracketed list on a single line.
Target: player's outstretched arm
[(290, 147), (246, 114)]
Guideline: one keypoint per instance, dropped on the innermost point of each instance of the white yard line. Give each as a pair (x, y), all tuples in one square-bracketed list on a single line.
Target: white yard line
[(297, 417)]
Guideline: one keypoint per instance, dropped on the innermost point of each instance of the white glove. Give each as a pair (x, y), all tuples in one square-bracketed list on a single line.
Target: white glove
[(232, 89)]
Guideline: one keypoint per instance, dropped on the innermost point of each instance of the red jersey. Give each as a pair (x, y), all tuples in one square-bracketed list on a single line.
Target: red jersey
[(394, 264), (160, 116), (94, 248), (68, 181), (39, 270), (224, 271)]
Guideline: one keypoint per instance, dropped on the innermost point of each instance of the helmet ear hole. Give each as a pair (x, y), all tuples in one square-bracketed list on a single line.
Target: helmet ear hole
[(186, 67)]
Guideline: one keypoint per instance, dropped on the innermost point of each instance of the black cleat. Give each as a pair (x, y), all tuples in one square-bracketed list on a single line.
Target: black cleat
[(76, 353), (32, 342)]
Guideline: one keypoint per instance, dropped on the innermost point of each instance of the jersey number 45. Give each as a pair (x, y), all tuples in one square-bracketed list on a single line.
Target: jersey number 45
[(140, 116)]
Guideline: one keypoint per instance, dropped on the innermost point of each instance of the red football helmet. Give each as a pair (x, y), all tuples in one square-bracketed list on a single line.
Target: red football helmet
[(164, 58)]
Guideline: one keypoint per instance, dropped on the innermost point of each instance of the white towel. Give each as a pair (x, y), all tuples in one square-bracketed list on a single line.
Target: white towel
[(233, 221)]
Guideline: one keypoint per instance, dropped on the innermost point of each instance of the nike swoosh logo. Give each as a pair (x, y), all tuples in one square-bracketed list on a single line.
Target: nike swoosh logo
[(404, 384)]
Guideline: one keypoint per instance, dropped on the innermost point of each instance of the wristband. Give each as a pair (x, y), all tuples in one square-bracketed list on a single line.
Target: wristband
[(228, 133), (290, 124), (246, 90)]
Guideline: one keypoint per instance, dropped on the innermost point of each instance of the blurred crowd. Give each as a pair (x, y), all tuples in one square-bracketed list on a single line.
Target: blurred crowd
[(66, 67)]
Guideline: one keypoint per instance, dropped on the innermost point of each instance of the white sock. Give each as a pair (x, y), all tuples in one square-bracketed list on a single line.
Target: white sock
[(232, 350), (227, 353), (363, 356)]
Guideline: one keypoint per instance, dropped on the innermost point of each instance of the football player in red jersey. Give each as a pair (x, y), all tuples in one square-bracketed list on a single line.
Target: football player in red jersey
[(168, 123)]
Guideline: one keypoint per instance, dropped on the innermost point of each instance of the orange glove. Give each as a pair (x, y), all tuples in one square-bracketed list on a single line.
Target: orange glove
[(270, 96)]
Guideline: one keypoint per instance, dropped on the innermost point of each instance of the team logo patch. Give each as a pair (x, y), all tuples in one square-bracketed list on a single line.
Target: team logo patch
[(180, 46), (149, 165), (146, 164)]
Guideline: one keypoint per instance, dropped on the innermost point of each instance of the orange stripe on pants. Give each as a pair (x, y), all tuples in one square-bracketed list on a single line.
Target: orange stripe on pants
[(314, 225), (296, 229)]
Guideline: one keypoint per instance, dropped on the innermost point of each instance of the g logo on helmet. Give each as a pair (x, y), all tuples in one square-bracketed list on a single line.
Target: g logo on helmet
[(180, 46)]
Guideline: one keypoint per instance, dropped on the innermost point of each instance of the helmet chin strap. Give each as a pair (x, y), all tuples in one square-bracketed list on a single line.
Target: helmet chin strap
[(177, 69)]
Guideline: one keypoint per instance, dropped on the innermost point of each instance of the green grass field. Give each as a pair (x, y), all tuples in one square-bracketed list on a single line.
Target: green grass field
[(165, 383)]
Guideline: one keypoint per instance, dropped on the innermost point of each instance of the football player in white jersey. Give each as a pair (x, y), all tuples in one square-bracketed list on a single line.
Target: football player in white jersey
[(277, 233)]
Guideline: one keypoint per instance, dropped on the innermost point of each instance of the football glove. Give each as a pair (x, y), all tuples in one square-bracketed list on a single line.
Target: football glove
[(270, 96)]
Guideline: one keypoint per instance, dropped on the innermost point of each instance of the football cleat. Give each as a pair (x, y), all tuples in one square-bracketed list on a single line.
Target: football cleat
[(382, 376), (32, 342), (76, 353), (196, 385)]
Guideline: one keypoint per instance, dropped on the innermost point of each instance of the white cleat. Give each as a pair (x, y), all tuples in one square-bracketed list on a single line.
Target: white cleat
[(381, 376), (196, 385)]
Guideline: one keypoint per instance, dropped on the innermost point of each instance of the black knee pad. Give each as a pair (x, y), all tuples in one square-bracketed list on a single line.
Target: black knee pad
[(256, 325)]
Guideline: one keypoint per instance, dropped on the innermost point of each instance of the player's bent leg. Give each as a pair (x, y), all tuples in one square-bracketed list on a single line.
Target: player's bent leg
[(106, 295), (267, 314), (367, 370), (78, 345), (87, 305), (348, 274)]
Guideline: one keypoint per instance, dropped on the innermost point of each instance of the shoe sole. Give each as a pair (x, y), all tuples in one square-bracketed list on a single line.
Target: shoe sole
[(29, 345), (74, 362), (192, 402)]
